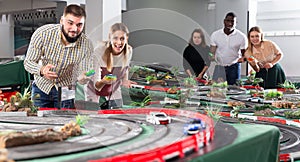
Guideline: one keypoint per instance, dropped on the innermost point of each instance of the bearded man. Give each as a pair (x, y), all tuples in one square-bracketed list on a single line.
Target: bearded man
[(57, 54)]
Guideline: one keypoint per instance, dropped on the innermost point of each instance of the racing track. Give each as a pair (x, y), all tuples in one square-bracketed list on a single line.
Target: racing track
[(289, 135), (103, 136)]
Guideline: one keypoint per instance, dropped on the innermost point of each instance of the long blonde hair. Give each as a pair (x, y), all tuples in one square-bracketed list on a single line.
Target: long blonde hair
[(108, 51)]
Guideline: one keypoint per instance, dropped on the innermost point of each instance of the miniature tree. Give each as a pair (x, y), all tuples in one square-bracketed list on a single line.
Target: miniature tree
[(218, 90), (82, 119), (236, 110), (22, 102), (288, 86), (189, 82), (213, 112), (143, 103)]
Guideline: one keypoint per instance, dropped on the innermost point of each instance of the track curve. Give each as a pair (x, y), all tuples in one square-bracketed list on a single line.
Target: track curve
[(289, 138)]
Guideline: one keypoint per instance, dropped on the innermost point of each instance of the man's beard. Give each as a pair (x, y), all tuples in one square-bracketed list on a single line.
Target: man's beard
[(68, 38)]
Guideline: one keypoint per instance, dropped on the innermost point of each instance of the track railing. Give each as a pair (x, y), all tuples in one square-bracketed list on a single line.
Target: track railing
[(160, 154)]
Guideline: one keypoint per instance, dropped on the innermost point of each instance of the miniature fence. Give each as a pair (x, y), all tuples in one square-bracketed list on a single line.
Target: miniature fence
[(153, 88)]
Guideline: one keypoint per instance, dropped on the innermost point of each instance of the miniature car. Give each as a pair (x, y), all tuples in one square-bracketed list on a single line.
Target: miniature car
[(158, 118), (255, 99), (194, 126)]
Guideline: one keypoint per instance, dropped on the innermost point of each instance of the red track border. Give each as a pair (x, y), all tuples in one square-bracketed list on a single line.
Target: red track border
[(190, 142)]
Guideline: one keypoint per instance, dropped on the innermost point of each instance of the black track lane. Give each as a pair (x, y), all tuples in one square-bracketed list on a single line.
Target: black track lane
[(289, 135)]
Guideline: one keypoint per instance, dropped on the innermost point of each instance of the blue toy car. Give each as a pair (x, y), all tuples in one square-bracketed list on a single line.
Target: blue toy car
[(193, 126)]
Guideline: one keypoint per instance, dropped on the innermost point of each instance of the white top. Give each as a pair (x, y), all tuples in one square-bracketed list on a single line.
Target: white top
[(98, 63), (228, 46)]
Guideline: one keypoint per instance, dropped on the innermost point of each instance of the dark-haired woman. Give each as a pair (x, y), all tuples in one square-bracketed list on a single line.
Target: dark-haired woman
[(196, 55)]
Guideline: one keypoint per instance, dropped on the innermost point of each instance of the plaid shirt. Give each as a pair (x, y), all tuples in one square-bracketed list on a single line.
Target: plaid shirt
[(46, 47)]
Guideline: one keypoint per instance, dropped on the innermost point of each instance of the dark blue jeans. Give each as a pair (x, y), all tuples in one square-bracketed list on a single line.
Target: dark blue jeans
[(233, 73), (43, 100), (227, 73)]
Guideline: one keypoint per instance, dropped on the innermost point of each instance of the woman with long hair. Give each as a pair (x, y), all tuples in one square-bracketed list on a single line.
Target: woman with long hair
[(196, 55), (264, 56), (112, 60)]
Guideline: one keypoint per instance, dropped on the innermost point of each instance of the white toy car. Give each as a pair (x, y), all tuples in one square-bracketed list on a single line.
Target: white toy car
[(255, 99), (158, 118)]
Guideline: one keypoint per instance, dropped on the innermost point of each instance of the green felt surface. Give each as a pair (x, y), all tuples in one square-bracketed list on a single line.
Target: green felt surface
[(255, 143), (13, 73)]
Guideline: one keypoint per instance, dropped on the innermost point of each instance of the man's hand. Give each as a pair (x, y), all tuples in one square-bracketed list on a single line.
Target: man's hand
[(83, 79), (47, 73), (241, 60)]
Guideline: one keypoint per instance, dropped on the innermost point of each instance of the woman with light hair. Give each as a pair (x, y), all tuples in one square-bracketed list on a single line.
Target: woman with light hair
[(264, 56), (112, 60)]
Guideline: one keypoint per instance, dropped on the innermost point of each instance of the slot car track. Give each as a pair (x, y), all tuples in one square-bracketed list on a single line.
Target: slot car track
[(289, 135), (103, 136), (224, 135), (101, 133)]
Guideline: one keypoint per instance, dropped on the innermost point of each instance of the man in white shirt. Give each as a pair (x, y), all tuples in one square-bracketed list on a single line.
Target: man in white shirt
[(228, 46)]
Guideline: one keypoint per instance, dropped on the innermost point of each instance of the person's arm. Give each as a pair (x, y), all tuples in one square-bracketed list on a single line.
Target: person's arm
[(242, 59), (86, 65), (207, 61), (213, 51), (186, 62), (200, 76), (251, 60), (126, 82), (243, 52), (46, 72), (34, 55), (102, 82), (97, 62), (278, 57), (243, 47), (99, 84), (188, 71), (275, 61)]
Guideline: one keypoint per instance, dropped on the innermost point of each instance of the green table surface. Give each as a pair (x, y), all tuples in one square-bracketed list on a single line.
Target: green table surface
[(13, 73), (255, 143)]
